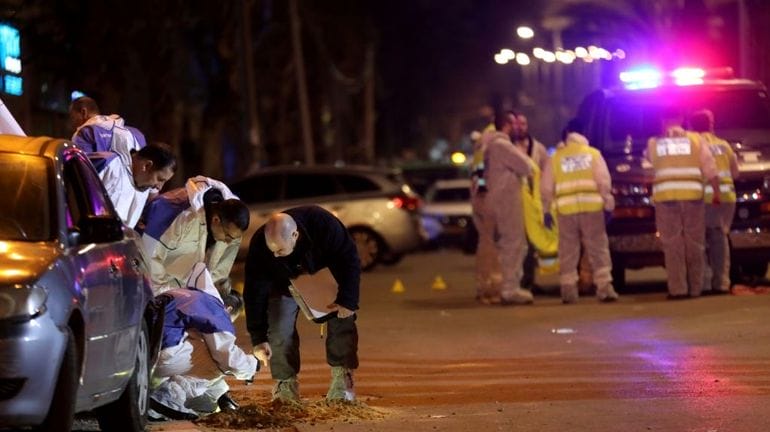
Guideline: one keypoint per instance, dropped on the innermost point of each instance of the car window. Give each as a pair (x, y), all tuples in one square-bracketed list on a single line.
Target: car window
[(259, 189), (452, 195), (309, 186), (85, 193), (25, 187), (356, 183)]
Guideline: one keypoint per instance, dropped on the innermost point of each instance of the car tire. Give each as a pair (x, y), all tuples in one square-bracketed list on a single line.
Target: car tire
[(618, 273), (61, 413), (470, 240), (129, 412), (369, 246), (391, 258), (747, 272)]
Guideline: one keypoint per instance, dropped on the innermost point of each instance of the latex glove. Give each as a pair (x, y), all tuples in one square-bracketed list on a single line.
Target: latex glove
[(263, 353), (548, 220), (342, 311)]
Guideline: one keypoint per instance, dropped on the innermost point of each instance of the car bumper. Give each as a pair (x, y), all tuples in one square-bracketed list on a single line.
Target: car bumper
[(30, 355), (740, 241)]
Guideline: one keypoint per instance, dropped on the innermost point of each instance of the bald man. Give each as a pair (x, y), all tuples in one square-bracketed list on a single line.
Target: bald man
[(302, 240)]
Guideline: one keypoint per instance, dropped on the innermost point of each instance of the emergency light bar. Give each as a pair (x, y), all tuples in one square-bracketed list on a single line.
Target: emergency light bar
[(647, 78)]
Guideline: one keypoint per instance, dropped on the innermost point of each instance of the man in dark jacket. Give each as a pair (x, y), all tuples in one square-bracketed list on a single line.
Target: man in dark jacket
[(301, 240)]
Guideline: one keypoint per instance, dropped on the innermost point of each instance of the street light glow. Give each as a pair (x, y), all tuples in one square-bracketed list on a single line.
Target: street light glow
[(549, 57), (525, 32), (581, 52), (538, 52), (522, 59), (501, 59), (508, 53)]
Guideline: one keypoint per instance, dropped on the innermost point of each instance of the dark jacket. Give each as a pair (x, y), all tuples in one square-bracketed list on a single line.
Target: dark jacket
[(323, 242)]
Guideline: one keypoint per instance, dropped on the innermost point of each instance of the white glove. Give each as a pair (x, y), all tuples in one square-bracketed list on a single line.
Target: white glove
[(263, 353)]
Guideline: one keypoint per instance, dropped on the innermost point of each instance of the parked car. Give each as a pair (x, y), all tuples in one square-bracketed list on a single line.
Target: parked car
[(78, 329), (377, 207), (621, 120), (447, 214)]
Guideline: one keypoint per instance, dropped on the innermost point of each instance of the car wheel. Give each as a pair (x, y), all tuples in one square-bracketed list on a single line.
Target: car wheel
[(747, 272), (129, 413), (61, 414), (470, 240), (391, 258), (369, 247), (618, 273)]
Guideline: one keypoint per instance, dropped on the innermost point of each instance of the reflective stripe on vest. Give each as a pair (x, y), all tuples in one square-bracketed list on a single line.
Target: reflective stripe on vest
[(721, 151), (575, 187), (678, 175)]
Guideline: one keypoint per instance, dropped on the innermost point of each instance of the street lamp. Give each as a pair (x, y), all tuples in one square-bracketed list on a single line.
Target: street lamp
[(525, 32)]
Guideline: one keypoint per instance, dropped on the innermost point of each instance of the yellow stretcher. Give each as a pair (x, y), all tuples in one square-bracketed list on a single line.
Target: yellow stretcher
[(545, 240)]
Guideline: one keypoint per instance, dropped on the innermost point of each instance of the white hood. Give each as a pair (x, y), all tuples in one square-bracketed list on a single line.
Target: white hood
[(200, 279), (197, 186)]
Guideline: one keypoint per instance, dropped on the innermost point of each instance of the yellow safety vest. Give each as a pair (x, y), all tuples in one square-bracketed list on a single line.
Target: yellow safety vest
[(575, 188), (723, 153), (676, 161)]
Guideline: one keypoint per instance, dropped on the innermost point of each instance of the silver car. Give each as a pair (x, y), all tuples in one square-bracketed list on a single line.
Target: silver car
[(377, 207), (77, 324)]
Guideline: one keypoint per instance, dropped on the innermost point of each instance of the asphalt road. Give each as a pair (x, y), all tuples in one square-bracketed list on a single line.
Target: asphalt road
[(434, 359)]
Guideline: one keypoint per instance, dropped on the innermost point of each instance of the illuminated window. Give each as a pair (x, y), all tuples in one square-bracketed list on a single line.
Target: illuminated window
[(13, 85)]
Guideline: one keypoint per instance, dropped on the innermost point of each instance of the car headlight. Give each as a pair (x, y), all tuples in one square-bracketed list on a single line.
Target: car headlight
[(626, 189), (23, 301)]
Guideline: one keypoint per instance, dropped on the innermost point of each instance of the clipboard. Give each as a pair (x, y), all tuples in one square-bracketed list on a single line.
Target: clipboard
[(313, 293)]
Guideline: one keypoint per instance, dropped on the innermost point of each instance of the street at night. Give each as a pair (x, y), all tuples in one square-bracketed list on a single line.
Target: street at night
[(437, 360), (379, 215)]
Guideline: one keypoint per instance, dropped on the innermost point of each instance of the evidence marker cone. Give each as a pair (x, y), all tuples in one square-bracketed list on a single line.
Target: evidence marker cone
[(438, 283), (398, 287)]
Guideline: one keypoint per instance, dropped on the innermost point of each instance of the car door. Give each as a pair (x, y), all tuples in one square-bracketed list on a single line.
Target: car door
[(98, 274)]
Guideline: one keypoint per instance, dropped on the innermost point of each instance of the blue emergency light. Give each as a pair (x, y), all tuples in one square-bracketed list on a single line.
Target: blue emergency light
[(649, 77)]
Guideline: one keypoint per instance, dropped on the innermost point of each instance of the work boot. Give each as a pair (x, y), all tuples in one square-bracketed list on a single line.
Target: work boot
[(517, 296), (341, 387), (607, 295), (286, 390), (226, 403), (569, 294)]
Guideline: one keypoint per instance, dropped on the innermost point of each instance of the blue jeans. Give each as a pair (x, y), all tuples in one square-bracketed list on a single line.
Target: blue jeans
[(341, 339)]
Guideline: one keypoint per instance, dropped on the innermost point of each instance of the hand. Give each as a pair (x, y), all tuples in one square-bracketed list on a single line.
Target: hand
[(250, 381), (548, 220), (263, 352), (342, 311)]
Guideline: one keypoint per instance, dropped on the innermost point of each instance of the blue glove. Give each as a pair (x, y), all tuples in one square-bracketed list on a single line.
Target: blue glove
[(548, 220)]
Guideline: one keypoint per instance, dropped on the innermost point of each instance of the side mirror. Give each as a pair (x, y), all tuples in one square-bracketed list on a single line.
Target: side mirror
[(99, 229)]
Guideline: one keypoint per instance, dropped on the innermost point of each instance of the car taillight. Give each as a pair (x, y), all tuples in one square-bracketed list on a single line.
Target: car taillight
[(631, 213), (406, 202)]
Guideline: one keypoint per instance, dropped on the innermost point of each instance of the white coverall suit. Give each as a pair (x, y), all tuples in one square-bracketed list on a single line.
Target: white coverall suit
[(579, 179), (198, 348), (116, 172), (488, 276), (682, 164), (506, 164), (719, 218), (175, 234)]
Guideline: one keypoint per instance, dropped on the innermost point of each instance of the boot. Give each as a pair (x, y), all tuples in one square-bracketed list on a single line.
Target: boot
[(341, 387), (286, 390)]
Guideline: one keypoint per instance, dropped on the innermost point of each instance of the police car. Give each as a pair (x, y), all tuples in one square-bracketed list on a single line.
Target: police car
[(620, 120)]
